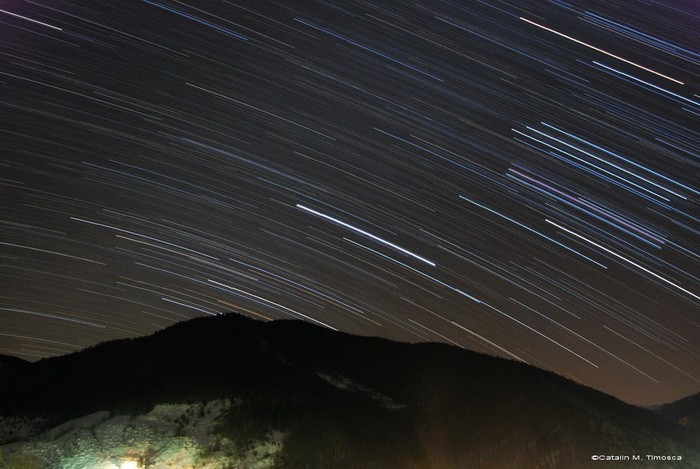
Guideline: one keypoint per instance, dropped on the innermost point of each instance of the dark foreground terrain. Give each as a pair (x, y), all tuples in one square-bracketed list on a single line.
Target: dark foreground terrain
[(327, 399)]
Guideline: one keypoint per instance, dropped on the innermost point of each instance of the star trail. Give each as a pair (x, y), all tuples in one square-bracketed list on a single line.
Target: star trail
[(516, 178)]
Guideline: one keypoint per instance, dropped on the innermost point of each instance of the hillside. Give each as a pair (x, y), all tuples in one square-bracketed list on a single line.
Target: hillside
[(684, 411), (8, 361), (345, 401)]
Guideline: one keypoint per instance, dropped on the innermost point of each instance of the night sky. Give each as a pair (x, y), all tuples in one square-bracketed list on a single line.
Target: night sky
[(518, 178)]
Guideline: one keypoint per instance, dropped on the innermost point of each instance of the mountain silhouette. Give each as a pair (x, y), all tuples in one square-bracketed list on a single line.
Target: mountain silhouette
[(684, 411), (349, 401), (8, 361)]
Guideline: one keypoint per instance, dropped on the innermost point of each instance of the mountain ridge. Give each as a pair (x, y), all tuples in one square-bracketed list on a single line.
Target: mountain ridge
[(685, 411), (328, 391)]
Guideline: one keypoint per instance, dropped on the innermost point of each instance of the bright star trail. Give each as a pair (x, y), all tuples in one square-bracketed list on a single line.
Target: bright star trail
[(516, 178)]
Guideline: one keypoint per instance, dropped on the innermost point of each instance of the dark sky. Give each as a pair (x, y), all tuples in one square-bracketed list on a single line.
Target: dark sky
[(514, 177)]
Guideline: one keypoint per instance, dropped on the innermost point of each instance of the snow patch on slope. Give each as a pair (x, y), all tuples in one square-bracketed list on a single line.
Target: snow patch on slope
[(346, 384), (170, 436)]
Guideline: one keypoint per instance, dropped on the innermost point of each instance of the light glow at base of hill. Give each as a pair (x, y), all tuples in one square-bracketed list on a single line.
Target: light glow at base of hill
[(130, 465), (178, 436)]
